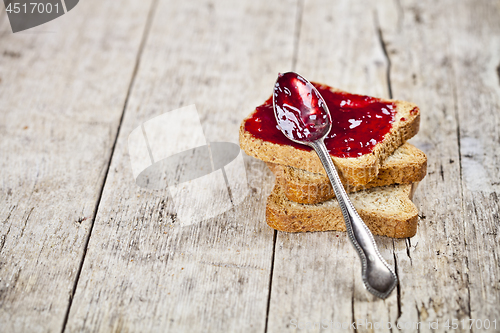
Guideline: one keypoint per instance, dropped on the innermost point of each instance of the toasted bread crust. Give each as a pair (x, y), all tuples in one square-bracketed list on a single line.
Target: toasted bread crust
[(405, 166), (353, 171), (397, 217)]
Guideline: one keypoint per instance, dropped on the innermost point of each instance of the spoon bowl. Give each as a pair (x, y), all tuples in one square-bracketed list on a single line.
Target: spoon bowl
[(300, 110)]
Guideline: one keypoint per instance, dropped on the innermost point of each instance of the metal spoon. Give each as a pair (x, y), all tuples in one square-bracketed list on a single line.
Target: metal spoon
[(303, 117)]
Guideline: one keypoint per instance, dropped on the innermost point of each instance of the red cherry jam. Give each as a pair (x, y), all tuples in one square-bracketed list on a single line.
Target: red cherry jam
[(358, 123), (300, 110)]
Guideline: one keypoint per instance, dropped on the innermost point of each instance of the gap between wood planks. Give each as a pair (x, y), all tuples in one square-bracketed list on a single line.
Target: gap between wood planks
[(145, 34), (457, 119)]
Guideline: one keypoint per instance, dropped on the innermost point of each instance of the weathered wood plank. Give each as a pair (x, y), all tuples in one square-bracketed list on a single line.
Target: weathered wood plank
[(435, 266), (62, 90), (476, 63), (317, 276), (432, 266), (143, 270)]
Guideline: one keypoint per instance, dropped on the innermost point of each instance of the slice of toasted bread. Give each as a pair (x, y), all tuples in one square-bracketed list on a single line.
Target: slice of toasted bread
[(387, 211), (354, 171), (406, 165)]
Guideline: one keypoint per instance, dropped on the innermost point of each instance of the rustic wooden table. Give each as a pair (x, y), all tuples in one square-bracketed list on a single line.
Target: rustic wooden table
[(83, 248)]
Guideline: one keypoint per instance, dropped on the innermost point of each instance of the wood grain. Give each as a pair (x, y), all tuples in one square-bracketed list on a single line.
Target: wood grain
[(62, 90), (144, 271)]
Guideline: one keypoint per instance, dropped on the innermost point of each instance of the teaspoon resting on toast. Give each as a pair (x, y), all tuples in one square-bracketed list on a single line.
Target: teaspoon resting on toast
[(303, 117)]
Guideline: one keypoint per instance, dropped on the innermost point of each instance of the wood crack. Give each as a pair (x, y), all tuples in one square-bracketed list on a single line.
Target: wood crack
[(270, 281), (418, 317), (3, 239), (457, 119), (498, 73), (468, 288), (25, 222), (408, 249), (10, 213), (398, 286), (352, 310)]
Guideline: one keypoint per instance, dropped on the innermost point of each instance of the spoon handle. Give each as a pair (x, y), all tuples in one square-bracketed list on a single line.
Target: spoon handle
[(378, 277)]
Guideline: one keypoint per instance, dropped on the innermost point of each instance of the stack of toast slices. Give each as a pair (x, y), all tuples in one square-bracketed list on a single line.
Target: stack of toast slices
[(380, 180)]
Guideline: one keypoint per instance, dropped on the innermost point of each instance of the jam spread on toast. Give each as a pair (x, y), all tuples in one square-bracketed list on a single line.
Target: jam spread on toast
[(358, 123)]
